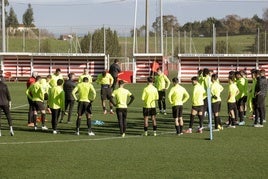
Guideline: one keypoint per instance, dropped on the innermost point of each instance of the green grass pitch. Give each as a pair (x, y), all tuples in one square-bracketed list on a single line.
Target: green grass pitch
[(233, 153)]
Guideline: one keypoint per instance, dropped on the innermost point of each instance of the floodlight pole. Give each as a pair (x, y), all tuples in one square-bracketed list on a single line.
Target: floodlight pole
[(214, 39), (104, 40), (3, 27), (161, 27), (147, 27), (135, 24)]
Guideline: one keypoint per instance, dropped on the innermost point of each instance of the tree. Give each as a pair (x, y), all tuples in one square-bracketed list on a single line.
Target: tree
[(169, 22), (265, 18), (232, 23), (206, 27), (248, 26), (220, 48), (28, 18), (138, 33), (85, 43), (193, 27), (113, 47), (12, 20), (6, 4), (112, 42)]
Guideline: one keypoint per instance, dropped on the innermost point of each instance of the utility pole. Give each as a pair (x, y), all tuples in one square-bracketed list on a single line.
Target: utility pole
[(3, 27), (147, 27), (161, 27), (134, 29), (214, 39)]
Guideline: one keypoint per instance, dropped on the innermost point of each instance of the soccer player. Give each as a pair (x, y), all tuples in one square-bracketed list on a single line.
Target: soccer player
[(233, 91), (5, 105), (200, 76), (114, 70), (68, 87), (86, 95), (216, 89), (260, 95), (197, 105), (46, 86), (177, 96), (31, 81), (36, 93), (244, 75), (241, 98), (54, 78), (120, 95), (56, 103), (85, 74), (162, 83), (106, 81), (252, 99), (206, 83), (149, 97)]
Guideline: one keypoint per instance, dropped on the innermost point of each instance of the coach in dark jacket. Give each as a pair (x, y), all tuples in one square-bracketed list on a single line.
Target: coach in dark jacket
[(68, 87), (5, 105), (114, 70), (260, 94)]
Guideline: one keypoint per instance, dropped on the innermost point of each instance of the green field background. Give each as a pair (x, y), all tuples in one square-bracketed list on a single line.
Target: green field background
[(233, 153)]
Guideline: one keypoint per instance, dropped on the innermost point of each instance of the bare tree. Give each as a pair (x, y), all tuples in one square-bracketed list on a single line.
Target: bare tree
[(265, 18)]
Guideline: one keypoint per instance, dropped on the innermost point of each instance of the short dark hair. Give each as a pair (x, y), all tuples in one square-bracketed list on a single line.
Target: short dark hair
[(194, 78), (120, 82), (175, 80), (59, 82), (37, 78), (253, 70), (205, 71), (231, 77), (58, 70), (85, 79), (200, 72), (214, 76), (150, 79), (238, 73), (116, 60), (104, 73), (70, 75), (49, 76)]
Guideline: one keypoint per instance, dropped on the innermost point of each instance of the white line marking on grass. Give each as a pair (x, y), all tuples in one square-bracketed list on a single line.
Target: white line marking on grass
[(77, 140), (19, 106), (65, 141)]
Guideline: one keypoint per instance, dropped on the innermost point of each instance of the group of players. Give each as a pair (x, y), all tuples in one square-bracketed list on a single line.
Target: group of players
[(54, 95), (240, 97), (60, 95)]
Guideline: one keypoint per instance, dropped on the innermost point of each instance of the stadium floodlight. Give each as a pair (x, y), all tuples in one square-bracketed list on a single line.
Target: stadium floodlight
[(3, 27)]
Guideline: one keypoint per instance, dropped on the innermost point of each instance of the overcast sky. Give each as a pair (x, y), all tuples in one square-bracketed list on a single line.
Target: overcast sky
[(119, 14)]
